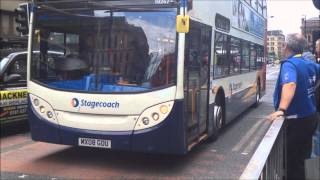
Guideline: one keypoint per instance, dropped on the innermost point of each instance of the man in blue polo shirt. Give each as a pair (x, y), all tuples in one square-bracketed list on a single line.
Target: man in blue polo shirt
[(294, 98)]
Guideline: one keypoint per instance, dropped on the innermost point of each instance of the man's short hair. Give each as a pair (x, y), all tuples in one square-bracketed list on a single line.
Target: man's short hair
[(318, 42), (296, 43)]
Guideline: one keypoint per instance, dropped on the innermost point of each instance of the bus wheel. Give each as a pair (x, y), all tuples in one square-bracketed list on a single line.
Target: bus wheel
[(218, 117), (256, 104), (218, 111)]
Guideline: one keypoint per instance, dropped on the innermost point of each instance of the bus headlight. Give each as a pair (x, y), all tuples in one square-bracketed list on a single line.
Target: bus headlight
[(163, 109), (145, 121), (36, 102), (49, 114), (43, 109), (154, 115)]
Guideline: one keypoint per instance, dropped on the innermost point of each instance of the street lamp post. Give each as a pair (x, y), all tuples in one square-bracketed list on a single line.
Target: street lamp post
[(305, 25), (267, 52)]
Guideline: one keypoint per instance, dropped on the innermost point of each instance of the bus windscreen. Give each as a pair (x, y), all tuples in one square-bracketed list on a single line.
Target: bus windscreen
[(104, 50)]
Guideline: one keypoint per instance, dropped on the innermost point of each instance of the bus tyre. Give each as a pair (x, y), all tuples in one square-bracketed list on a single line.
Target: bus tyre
[(218, 111), (257, 101)]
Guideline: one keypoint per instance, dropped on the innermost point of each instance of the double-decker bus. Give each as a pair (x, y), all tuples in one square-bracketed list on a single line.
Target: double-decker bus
[(139, 75)]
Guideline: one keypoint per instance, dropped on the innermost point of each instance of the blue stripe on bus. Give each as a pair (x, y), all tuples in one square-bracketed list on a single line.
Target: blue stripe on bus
[(167, 137)]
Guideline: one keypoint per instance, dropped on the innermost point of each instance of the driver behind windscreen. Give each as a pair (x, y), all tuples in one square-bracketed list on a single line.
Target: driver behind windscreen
[(140, 58), (70, 68)]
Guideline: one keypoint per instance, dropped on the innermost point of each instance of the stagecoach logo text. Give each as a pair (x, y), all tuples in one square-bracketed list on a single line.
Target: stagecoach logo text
[(93, 104), (163, 1)]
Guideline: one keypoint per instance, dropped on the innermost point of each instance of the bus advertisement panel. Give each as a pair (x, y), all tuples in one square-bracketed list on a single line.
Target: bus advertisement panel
[(247, 19)]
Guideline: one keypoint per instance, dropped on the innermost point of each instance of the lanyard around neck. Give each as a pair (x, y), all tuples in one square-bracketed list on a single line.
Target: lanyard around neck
[(297, 55)]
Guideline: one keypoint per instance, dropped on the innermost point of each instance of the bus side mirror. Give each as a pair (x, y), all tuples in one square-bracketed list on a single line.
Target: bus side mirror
[(316, 4), (183, 24), (12, 78)]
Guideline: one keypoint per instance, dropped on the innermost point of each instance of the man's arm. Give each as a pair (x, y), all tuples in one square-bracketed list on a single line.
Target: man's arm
[(318, 77), (288, 91)]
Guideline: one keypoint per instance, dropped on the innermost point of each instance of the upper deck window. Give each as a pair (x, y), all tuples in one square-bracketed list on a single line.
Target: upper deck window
[(222, 23)]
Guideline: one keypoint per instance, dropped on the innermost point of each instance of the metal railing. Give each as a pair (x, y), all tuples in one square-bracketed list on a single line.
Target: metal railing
[(269, 160)]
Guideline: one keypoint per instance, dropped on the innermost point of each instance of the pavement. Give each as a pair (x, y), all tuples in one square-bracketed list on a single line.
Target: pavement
[(226, 158)]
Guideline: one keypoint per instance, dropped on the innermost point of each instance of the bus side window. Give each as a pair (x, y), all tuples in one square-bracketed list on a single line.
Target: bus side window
[(235, 56), (245, 58), (260, 57), (253, 57), (221, 64)]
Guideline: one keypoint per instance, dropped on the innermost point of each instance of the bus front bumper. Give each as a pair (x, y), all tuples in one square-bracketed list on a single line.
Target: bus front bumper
[(167, 137)]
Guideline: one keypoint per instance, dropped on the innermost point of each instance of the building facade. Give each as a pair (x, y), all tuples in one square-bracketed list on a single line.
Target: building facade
[(311, 30), (275, 42)]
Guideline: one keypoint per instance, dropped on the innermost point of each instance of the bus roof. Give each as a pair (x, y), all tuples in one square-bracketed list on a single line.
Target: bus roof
[(102, 4)]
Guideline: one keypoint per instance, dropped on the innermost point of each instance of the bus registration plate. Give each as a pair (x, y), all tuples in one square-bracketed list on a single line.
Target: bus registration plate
[(99, 143)]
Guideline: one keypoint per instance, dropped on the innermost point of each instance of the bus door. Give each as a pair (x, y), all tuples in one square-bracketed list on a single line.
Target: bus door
[(196, 72)]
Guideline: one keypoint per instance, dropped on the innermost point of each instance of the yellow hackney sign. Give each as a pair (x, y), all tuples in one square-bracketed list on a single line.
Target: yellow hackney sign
[(14, 94), (13, 105), (13, 97)]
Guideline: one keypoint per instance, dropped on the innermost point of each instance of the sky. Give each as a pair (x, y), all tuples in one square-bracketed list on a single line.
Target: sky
[(287, 14)]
